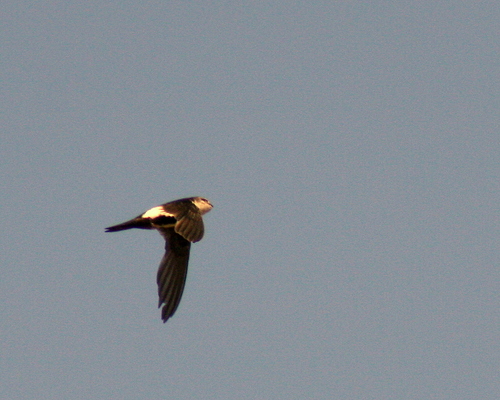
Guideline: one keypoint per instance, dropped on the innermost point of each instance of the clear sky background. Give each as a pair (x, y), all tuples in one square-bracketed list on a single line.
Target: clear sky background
[(351, 151)]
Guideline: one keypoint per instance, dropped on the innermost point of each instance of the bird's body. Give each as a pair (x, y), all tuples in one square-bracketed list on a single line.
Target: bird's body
[(180, 223)]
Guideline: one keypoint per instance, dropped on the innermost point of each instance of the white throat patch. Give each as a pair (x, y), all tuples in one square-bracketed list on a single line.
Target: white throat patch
[(203, 205)]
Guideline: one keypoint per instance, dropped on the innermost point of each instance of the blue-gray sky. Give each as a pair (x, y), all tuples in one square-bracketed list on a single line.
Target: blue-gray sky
[(350, 149)]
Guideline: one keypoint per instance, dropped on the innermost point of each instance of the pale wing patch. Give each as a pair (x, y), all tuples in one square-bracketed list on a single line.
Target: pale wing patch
[(156, 212)]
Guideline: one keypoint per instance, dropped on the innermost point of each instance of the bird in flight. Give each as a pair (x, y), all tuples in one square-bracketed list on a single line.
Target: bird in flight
[(180, 223)]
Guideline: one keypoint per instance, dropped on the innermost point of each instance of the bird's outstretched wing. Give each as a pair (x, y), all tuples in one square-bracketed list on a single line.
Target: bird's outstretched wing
[(172, 272)]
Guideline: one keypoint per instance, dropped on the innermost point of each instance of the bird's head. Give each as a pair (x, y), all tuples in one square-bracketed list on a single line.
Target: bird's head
[(203, 204)]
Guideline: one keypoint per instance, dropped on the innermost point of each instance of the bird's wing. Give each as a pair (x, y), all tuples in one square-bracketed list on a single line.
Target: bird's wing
[(189, 222), (172, 272)]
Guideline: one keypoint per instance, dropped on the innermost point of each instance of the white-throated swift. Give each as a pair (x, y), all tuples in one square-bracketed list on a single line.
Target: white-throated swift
[(180, 223)]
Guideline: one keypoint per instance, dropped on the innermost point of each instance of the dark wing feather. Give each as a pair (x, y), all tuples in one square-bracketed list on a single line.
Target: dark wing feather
[(172, 272), (190, 226), (189, 222)]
